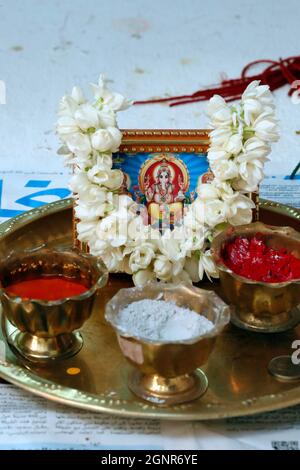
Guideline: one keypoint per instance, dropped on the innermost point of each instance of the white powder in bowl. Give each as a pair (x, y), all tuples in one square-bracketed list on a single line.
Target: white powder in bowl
[(159, 320)]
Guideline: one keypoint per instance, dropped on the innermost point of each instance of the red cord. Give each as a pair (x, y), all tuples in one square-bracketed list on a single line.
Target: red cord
[(276, 74)]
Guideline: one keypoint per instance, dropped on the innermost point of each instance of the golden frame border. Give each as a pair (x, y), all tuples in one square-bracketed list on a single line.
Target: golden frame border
[(165, 140)]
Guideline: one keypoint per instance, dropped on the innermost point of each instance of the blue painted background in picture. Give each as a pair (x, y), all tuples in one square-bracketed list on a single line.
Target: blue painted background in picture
[(162, 181), (162, 177)]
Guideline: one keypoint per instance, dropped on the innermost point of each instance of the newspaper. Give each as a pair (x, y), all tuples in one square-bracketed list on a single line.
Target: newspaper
[(281, 189), (21, 191), (278, 430), (31, 422)]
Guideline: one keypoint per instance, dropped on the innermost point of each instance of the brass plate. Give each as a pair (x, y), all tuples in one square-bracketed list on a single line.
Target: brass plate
[(96, 379)]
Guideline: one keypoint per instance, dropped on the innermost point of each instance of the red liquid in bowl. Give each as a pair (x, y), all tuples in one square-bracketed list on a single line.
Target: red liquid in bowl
[(253, 259), (47, 288)]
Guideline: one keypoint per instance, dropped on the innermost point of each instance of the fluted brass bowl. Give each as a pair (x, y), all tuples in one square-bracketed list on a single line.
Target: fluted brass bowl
[(45, 330), (260, 306), (167, 373)]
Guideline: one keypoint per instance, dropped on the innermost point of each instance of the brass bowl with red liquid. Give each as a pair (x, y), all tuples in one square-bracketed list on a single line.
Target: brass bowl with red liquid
[(39, 329), (260, 306)]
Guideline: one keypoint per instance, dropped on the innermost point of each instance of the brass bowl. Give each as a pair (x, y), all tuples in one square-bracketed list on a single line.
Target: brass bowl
[(166, 373), (260, 306), (44, 330)]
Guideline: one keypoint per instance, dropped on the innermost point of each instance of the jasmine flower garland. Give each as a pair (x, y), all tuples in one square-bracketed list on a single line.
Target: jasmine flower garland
[(111, 223)]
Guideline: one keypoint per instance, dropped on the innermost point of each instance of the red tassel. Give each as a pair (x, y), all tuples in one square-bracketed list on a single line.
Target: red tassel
[(276, 74)]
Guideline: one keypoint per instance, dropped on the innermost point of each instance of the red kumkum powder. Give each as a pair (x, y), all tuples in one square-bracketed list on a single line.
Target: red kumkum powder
[(46, 288), (253, 259)]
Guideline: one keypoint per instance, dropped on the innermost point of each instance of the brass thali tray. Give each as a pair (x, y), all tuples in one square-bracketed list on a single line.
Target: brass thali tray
[(96, 379)]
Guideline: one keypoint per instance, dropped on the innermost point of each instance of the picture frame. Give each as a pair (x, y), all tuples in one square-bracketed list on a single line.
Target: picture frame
[(178, 143), (188, 147)]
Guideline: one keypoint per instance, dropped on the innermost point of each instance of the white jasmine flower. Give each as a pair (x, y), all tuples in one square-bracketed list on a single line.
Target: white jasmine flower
[(190, 222), (86, 117), (165, 269), (141, 257), (79, 144), (111, 179), (252, 109), (220, 136), (114, 228), (207, 266), (79, 183), (67, 106), (97, 246), (216, 154), (258, 92), (66, 127), (137, 230), (122, 201), (252, 173), (194, 231), (256, 100), (214, 212), (107, 139), (239, 209), (115, 178), (104, 161), (234, 144), (219, 112), (142, 277), (113, 259), (86, 230), (265, 127), (90, 211), (225, 170), (207, 191), (77, 95), (105, 97), (172, 244), (197, 211), (107, 118), (224, 188), (256, 148)]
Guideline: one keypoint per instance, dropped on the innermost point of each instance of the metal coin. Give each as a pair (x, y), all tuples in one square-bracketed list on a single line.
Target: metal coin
[(283, 369)]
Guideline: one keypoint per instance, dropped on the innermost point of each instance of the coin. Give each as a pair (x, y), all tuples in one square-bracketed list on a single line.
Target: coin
[(283, 369)]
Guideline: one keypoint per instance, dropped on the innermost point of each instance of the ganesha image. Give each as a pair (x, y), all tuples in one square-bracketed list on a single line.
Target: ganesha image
[(164, 181)]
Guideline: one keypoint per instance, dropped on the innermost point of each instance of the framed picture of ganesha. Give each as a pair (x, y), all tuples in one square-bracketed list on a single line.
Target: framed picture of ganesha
[(162, 169)]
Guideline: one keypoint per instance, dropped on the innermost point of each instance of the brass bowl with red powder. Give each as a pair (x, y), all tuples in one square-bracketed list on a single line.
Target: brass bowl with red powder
[(45, 329), (265, 307)]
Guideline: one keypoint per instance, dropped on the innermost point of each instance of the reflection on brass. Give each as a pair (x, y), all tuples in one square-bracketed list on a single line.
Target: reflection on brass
[(163, 391), (283, 369), (237, 368), (260, 306), (167, 369), (45, 329)]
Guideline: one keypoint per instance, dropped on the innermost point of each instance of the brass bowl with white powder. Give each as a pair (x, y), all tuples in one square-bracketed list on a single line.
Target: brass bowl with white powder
[(167, 332)]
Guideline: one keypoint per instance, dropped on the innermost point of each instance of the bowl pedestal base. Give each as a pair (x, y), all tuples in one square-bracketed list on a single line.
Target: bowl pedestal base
[(163, 391), (41, 350), (267, 323)]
